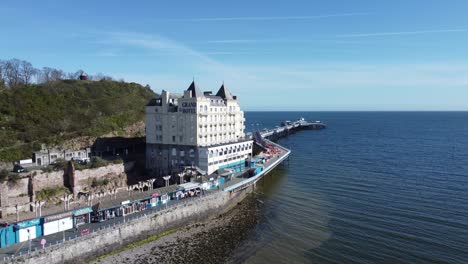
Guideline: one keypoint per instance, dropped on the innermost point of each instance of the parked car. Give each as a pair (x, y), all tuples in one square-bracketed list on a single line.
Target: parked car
[(18, 169), (81, 160)]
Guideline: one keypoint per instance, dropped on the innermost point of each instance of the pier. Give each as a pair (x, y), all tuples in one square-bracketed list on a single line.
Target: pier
[(288, 128), (265, 139)]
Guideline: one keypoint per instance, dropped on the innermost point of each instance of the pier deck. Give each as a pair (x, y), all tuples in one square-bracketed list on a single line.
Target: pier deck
[(268, 135)]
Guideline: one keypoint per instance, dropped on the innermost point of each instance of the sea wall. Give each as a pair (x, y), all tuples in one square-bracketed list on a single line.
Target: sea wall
[(88, 247)]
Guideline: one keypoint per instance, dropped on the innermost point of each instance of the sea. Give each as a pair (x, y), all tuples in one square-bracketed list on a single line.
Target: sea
[(373, 187)]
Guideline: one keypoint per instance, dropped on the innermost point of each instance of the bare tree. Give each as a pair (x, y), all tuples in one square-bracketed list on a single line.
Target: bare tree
[(44, 75), (74, 75), (12, 73), (2, 81), (48, 74), (27, 72), (101, 77), (57, 75)]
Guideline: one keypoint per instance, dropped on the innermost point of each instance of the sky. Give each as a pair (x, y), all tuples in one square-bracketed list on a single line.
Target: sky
[(291, 55)]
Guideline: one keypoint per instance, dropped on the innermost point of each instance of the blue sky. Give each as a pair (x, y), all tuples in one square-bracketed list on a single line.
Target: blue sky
[(275, 55)]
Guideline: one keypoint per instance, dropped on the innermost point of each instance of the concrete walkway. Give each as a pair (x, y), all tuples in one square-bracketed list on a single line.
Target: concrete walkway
[(106, 201)]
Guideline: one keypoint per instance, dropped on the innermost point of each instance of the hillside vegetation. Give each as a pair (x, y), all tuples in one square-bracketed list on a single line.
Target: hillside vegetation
[(55, 111)]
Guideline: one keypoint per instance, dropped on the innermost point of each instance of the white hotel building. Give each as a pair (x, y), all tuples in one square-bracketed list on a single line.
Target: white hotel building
[(195, 129)]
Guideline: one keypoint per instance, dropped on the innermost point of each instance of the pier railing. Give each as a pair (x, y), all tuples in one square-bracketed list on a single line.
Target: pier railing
[(247, 182)]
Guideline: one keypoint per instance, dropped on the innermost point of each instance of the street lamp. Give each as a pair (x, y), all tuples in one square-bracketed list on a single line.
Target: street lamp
[(166, 178), (63, 230), (29, 240)]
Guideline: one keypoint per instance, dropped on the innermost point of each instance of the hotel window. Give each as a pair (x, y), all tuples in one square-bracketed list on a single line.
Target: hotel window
[(181, 138), (173, 138), (174, 152)]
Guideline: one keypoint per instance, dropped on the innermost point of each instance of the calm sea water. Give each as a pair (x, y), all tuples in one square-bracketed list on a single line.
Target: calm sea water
[(374, 187)]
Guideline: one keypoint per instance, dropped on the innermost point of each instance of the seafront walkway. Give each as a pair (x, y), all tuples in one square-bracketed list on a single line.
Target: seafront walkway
[(56, 239), (106, 202)]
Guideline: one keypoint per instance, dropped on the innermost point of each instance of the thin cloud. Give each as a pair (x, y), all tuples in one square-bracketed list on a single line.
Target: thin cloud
[(401, 33), (180, 54), (266, 18), (278, 40)]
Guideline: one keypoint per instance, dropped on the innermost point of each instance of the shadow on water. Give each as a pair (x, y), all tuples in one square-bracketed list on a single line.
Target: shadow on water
[(269, 185), (266, 188)]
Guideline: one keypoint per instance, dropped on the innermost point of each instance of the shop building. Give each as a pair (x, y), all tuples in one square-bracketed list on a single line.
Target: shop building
[(28, 230), (57, 223)]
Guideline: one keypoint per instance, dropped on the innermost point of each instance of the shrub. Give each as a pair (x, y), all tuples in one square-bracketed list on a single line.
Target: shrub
[(97, 162), (47, 169), (51, 193), (97, 183), (117, 161), (4, 175), (60, 164), (13, 178)]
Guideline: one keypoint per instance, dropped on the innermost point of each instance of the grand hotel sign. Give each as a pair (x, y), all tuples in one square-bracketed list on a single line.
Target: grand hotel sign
[(189, 107)]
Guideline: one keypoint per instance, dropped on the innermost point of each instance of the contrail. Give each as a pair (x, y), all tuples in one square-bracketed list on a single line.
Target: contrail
[(266, 18), (401, 33)]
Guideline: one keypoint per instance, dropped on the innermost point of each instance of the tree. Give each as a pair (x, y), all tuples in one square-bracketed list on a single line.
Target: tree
[(75, 75), (11, 72), (26, 72), (57, 75), (48, 74), (2, 81), (101, 77)]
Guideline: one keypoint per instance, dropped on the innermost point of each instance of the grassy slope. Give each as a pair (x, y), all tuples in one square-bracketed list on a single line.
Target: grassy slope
[(54, 112)]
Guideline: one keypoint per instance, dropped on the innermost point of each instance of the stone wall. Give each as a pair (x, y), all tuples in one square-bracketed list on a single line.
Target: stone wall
[(81, 178), (42, 180), (20, 193), (107, 240)]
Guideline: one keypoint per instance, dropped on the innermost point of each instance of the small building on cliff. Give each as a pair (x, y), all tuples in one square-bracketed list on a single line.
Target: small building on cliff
[(45, 156)]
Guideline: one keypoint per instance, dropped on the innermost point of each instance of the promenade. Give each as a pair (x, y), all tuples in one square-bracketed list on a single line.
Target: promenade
[(23, 248)]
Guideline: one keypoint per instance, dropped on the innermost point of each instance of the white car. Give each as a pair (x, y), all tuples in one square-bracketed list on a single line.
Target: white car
[(81, 160)]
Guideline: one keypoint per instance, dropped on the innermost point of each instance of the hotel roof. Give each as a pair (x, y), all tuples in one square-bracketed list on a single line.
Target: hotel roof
[(196, 92), (224, 93)]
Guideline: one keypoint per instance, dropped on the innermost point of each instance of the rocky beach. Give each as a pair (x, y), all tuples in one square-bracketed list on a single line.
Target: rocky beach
[(211, 241)]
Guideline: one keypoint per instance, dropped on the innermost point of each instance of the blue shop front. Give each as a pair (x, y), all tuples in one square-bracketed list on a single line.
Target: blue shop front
[(7, 236), (29, 229), (82, 216)]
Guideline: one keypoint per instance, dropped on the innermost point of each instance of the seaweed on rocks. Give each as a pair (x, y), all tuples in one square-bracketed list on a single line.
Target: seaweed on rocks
[(211, 241)]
